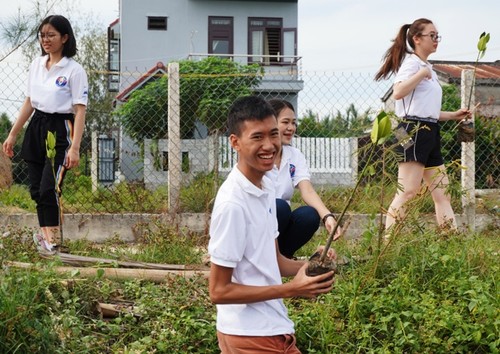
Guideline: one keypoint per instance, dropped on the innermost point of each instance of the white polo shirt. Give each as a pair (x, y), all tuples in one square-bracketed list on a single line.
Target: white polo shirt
[(293, 169), (58, 89), (426, 101), (243, 230)]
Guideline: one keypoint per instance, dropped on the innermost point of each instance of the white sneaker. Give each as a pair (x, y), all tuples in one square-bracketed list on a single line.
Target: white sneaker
[(48, 246), (41, 244)]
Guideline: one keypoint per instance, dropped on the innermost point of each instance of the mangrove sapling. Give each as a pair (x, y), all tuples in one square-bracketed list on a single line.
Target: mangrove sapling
[(50, 147), (466, 131), (381, 131)]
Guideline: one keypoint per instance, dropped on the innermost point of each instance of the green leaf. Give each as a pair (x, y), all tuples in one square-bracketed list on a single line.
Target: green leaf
[(472, 305), (381, 129), (374, 133), (386, 127), (50, 145), (51, 140), (100, 273), (484, 38), (477, 336)]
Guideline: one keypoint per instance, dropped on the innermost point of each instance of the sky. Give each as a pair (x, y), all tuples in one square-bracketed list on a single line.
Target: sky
[(353, 35), (340, 36)]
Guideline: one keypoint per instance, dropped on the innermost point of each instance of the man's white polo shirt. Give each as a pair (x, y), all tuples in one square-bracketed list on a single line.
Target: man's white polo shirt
[(243, 230), (58, 89)]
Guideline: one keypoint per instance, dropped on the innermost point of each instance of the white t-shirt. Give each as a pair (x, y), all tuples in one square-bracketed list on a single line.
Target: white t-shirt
[(426, 101), (293, 169), (58, 89), (243, 230)]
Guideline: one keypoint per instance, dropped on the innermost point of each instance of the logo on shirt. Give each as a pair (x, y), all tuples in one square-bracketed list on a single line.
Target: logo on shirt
[(61, 81), (292, 170)]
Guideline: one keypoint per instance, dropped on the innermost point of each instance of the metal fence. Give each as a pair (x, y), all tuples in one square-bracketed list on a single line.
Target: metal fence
[(135, 154)]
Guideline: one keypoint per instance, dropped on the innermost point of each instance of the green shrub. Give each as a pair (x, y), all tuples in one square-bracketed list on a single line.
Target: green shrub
[(199, 195), (25, 313), (426, 295), (17, 196)]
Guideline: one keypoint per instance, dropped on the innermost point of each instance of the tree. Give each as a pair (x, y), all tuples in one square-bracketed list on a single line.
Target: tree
[(92, 55), (19, 31), (342, 125), (208, 87), (5, 126), (214, 94), (449, 145)]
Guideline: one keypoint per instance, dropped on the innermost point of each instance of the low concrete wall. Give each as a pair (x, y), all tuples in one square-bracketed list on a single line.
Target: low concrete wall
[(129, 227)]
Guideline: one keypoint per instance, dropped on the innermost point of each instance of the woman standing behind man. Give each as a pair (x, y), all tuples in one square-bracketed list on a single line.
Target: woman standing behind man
[(418, 97), (290, 171), (57, 93)]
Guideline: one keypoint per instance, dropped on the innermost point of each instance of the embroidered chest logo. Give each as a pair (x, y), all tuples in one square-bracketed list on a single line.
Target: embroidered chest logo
[(61, 81), (292, 170)]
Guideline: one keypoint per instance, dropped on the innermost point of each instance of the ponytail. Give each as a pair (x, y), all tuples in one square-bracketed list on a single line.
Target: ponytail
[(394, 56)]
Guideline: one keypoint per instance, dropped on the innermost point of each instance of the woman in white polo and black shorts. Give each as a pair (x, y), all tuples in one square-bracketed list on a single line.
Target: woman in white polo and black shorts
[(56, 100), (418, 97)]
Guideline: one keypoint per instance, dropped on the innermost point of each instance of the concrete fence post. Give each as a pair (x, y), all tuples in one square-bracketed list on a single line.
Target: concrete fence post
[(468, 155), (174, 138), (94, 160)]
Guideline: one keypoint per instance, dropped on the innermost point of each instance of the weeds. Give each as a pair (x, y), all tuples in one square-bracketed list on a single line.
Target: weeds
[(428, 294)]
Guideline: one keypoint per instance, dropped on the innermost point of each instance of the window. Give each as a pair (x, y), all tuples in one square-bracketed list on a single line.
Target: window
[(220, 35), (157, 23), (269, 42), (113, 58), (185, 163)]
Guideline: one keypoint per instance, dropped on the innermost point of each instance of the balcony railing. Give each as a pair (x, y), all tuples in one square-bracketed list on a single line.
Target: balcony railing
[(268, 60), (286, 68)]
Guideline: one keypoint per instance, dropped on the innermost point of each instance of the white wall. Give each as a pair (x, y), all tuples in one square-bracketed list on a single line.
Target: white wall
[(187, 27)]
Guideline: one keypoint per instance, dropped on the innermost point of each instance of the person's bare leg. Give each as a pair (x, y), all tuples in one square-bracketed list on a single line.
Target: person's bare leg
[(410, 179), (51, 234), (437, 180)]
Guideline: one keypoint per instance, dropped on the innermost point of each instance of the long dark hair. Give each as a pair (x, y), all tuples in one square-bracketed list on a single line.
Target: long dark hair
[(394, 56), (62, 25)]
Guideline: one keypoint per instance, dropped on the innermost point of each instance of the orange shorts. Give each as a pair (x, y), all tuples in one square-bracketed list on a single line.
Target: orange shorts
[(231, 344)]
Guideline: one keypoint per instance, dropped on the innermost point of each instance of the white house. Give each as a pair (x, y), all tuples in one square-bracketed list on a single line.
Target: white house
[(160, 31)]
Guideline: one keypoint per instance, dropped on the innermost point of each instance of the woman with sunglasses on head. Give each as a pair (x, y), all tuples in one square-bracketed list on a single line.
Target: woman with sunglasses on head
[(56, 100), (418, 97)]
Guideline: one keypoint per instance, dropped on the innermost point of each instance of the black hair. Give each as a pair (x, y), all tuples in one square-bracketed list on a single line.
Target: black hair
[(247, 108), (62, 25), (279, 105)]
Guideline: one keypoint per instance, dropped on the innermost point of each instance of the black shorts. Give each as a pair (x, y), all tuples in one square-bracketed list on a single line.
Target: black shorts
[(427, 143)]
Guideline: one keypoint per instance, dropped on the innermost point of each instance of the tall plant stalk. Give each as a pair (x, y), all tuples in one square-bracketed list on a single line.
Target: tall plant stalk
[(50, 147), (381, 131), (484, 38)]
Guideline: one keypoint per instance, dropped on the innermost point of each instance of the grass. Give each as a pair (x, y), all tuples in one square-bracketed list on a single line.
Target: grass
[(198, 197), (427, 292)]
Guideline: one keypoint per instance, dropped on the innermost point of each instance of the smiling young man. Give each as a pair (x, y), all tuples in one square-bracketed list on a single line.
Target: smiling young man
[(246, 265)]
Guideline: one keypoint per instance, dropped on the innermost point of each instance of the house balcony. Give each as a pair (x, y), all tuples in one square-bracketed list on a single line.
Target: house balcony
[(281, 73)]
